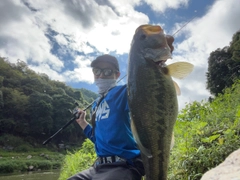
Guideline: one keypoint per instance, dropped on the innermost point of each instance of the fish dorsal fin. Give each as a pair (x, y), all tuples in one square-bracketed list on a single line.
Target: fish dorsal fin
[(178, 91), (180, 70)]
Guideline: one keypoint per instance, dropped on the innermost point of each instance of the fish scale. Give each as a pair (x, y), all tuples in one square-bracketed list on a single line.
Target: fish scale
[(153, 105)]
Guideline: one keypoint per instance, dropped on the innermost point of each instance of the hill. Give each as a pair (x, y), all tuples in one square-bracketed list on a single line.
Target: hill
[(33, 107)]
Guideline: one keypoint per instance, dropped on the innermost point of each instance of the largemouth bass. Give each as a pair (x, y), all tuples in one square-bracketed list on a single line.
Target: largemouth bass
[(152, 97)]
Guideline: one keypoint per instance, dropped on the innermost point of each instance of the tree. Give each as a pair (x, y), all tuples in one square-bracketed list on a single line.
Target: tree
[(224, 66), (235, 47), (14, 108), (40, 113)]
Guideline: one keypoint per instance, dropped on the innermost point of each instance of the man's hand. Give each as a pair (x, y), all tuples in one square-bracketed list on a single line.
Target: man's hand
[(170, 40), (82, 119)]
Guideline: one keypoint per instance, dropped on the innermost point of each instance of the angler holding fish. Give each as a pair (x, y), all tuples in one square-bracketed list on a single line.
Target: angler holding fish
[(119, 156), (152, 97)]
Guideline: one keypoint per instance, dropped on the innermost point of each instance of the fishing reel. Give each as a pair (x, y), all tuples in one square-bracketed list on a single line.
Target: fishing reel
[(75, 111)]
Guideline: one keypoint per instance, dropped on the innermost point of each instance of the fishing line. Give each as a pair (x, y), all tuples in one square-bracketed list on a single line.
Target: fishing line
[(183, 26), (122, 78)]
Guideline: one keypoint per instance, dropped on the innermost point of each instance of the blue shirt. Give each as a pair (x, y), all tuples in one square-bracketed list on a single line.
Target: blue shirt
[(113, 135)]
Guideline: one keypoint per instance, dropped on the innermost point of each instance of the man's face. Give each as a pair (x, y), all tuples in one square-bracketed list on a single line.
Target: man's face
[(108, 68)]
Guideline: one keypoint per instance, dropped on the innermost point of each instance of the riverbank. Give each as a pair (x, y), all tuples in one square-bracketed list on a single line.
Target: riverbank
[(37, 160), (36, 175)]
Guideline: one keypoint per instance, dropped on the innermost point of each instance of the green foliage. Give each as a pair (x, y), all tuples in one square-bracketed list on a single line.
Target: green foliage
[(16, 165), (223, 66), (41, 159), (23, 148), (235, 47), (33, 105), (88, 95), (78, 161), (206, 134), (10, 140), (7, 167)]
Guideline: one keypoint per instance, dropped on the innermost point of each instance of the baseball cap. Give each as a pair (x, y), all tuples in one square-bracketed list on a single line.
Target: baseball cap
[(106, 58)]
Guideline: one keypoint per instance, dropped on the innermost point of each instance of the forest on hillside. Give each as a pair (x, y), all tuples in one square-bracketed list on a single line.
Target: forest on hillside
[(33, 107)]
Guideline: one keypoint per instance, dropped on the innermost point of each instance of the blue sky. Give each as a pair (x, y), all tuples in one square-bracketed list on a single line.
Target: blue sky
[(61, 37)]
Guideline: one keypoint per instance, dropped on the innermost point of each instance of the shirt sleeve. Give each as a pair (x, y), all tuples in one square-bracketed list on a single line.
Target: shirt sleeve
[(88, 132)]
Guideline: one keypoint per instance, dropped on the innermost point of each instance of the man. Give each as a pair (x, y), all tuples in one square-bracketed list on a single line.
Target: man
[(118, 155)]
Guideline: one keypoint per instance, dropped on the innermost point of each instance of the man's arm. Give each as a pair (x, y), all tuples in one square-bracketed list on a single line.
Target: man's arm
[(86, 127)]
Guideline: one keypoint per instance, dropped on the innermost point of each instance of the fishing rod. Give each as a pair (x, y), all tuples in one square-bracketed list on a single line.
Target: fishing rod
[(75, 116)]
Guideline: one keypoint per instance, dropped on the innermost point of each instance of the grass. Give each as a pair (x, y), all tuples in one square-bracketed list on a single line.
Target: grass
[(42, 159), (79, 160)]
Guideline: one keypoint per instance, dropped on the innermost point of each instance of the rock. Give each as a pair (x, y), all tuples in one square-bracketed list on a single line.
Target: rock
[(30, 168), (61, 146), (29, 156), (229, 169), (8, 148), (46, 156)]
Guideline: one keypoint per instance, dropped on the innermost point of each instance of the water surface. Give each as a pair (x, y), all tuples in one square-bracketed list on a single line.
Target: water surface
[(43, 175)]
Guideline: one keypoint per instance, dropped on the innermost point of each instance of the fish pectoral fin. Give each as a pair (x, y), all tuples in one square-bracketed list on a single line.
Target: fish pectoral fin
[(178, 91), (180, 70)]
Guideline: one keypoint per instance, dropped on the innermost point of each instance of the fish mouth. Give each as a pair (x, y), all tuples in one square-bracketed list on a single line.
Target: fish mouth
[(149, 29), (161, 63)]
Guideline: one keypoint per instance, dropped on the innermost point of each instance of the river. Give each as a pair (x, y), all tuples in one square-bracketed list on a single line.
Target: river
[(46, 175)]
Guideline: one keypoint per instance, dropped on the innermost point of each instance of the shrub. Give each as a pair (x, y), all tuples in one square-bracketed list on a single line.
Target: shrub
[(7, 167), (78, 161), (206, 134), (10, 140), (23, 148)]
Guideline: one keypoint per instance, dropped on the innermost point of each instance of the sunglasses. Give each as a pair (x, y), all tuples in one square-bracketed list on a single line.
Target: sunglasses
[(106, 71)]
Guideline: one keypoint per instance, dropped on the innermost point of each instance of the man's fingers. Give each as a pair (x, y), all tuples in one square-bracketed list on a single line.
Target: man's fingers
[(170, 40), (81, 113)]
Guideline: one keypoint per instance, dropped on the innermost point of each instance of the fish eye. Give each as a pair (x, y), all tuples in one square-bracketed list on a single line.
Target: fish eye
[(143, 36)]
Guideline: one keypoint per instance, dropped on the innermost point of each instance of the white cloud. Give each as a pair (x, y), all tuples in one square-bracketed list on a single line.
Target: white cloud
[(24, 39), (82, 72), (46, 69), (204, 35), (162, 5), (88, 22)]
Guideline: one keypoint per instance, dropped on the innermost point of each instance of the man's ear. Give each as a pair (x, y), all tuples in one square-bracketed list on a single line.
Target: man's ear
[(118, 74), (170, 40)]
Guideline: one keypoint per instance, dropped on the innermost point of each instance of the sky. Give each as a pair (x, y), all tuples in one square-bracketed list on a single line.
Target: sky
[(61, 37)]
